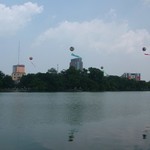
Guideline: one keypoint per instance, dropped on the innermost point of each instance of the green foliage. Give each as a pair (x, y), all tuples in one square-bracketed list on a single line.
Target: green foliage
[(52, 70), (6, 82), (1, 79), (91, 79)]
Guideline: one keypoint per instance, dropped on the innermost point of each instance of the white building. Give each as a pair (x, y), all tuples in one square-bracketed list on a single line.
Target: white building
[(135, 76)]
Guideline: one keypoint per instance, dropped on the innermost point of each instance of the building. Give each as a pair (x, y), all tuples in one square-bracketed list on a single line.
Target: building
[(77, 63), (18, 72), (135, 76)]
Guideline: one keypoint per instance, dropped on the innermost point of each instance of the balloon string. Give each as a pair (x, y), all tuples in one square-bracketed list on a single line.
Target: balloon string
[(33, 64)]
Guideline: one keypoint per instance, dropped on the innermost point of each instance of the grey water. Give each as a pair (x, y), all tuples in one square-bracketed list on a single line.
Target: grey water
[(75, 121)]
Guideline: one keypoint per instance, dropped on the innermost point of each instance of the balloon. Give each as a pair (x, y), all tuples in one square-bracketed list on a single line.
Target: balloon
[(71, 48), (144, 48), (102, 67), (30, 58)]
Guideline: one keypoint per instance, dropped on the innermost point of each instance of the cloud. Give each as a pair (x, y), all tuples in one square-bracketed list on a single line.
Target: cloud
[(15, 17), (111, 14), (96, 35)]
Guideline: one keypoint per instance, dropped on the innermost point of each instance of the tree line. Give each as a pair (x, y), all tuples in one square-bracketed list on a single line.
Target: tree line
[(91, 79)]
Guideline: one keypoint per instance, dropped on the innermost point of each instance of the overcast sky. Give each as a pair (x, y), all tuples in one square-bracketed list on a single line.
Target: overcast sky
[(108, 33)]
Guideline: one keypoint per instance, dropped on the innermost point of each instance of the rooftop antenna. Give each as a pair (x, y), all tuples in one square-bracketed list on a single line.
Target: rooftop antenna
[(19, 53), (57, 68)]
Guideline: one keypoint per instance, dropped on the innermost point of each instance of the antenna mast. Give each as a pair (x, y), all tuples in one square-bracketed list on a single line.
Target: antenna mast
[(57, 68), (19, 53)]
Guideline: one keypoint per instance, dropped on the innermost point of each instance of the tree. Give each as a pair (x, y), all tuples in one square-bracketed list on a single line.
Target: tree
[(72, 78), (1, 78), (52, 70), (96, 75), (8, 82)]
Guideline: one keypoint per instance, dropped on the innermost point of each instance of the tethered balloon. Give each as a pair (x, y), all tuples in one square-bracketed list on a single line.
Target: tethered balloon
[(71, 48), (30, 58), (144, 48)]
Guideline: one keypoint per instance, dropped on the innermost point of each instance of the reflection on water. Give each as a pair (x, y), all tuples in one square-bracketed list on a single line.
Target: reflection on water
[(72, 135), (75, 121)]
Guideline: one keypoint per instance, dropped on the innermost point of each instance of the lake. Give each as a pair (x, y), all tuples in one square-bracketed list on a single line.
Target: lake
[(75, 121)]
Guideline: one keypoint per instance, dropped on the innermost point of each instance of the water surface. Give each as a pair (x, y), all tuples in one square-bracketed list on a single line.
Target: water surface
[(75, 121)]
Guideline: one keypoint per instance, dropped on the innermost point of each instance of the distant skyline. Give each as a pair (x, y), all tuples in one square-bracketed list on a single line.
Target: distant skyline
[(104, 33)]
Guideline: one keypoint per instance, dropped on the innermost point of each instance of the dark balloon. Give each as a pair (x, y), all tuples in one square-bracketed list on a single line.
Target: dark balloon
[(102, 67), (144, 48), (71, 48), (30, 58)]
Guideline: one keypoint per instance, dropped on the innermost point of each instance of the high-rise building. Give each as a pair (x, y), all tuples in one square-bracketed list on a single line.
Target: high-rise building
[(77, 63), (18, 72)]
